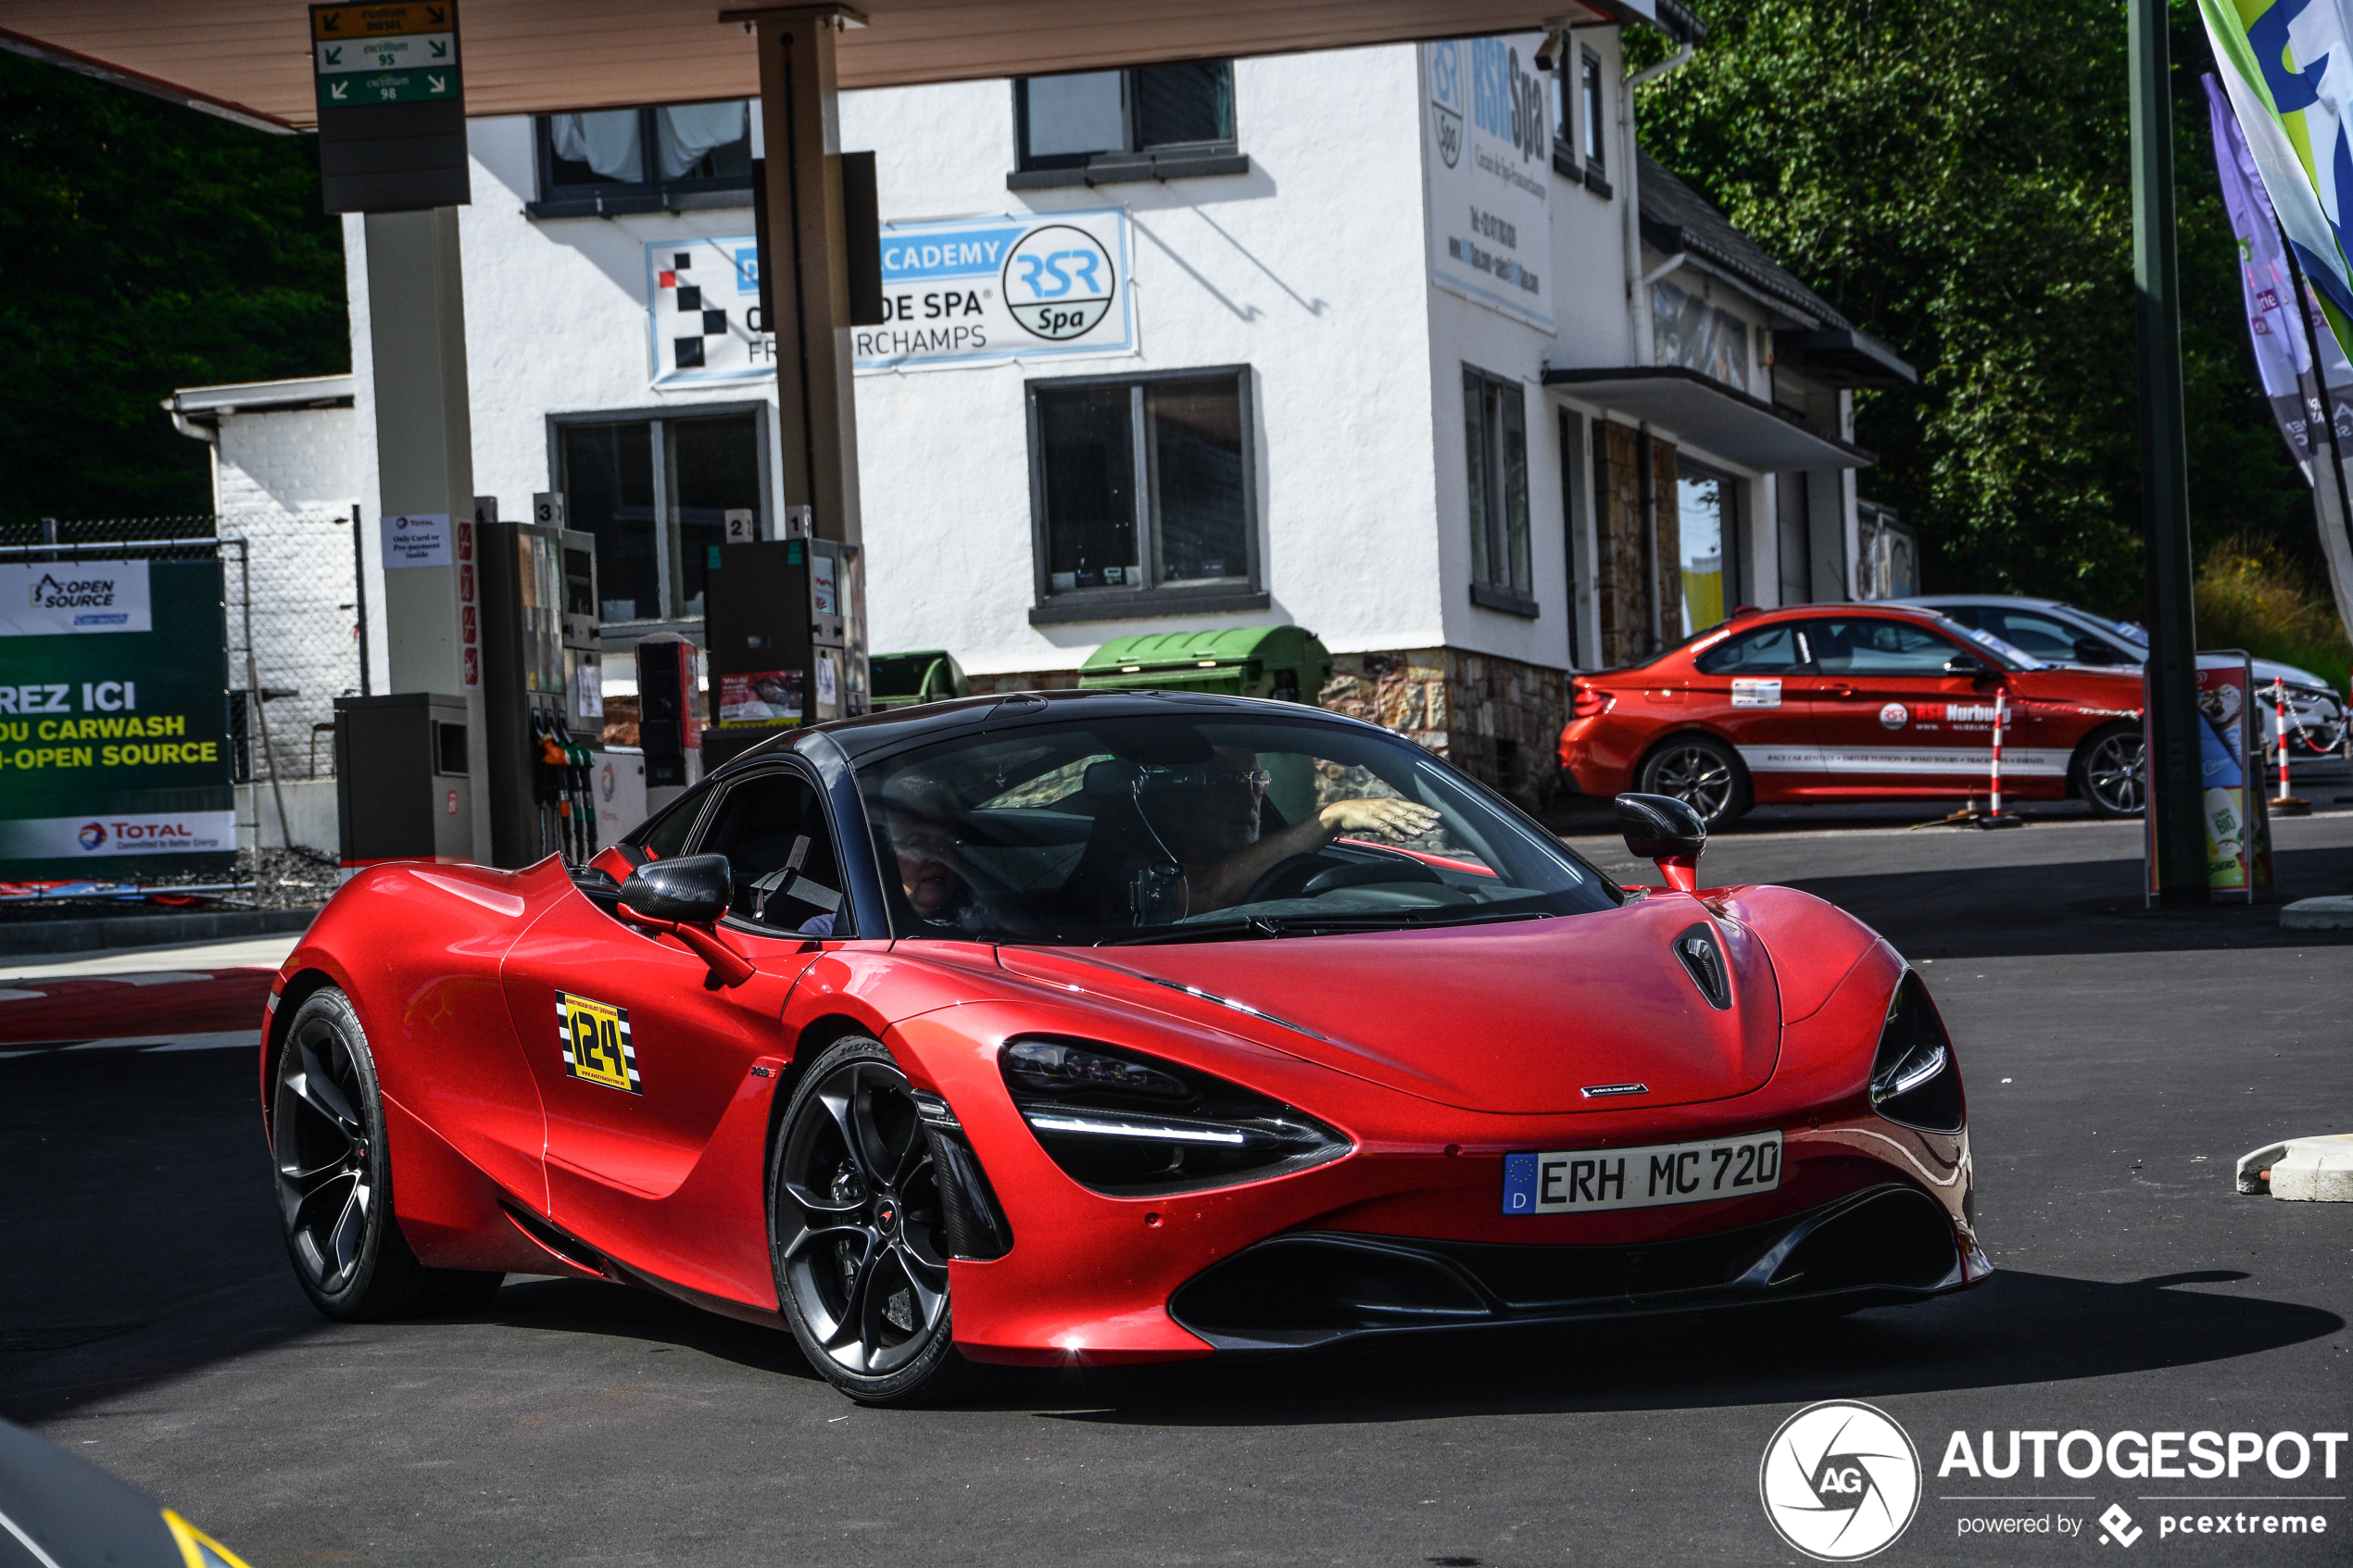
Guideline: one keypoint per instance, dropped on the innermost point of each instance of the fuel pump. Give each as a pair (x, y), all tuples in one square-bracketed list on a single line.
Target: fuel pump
[(541, 681), (787, 642)]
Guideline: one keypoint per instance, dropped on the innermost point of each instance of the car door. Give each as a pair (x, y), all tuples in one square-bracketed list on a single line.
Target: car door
[(638, 1060), (1891, 718), (1757, 687)]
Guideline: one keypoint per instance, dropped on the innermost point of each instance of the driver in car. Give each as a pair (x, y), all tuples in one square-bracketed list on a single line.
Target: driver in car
[(1217, 830)]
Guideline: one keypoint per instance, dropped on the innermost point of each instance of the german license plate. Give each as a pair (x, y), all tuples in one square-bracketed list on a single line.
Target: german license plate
[(1585, 1181)]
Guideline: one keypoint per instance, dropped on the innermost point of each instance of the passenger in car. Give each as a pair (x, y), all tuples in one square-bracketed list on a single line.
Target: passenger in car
[(922, 822)]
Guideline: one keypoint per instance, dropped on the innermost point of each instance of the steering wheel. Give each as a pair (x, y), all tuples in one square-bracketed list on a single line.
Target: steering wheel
[(1364, 872), (1273, 876), (1354, 875)]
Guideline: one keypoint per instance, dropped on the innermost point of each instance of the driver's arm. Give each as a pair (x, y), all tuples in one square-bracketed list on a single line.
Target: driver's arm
[(1222, 885)]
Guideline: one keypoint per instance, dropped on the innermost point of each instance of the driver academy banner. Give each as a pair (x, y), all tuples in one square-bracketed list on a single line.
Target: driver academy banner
[(113, 741), (2287, 68)]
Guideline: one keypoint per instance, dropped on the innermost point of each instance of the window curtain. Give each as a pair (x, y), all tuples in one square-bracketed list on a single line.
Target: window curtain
[(684, 134), (606, 142)]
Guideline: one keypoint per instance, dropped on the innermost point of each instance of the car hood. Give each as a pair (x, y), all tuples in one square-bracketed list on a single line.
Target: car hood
[(1519, 1018)]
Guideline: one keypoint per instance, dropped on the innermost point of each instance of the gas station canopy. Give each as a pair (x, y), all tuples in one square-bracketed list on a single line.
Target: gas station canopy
[(250, 59)]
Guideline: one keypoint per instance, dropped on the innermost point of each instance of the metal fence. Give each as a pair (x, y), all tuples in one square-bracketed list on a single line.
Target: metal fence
[(296, 622)]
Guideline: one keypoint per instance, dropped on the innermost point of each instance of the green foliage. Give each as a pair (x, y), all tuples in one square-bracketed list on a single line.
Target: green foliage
[(1953, 177), (2250, 596), (144, 247)]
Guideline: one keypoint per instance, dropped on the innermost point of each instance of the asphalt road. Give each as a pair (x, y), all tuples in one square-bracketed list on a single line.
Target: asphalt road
[(2117, 1062)]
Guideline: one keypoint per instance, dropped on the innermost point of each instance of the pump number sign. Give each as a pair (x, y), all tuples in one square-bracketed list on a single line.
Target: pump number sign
[(398, 54)]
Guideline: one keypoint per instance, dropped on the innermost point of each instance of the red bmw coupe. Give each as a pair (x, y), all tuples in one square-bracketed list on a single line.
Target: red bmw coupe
[(1105, 1027), (1854, 702)]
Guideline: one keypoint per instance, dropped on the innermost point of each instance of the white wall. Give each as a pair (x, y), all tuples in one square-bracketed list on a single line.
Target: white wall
[(1308, 268), (295, 462)]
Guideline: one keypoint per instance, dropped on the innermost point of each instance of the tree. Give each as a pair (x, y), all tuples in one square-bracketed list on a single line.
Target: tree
[(1952, 177), (144, 247)]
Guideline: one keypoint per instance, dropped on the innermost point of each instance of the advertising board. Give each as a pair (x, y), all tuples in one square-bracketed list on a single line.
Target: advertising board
[(1489, 171), (114, 747), (958, 291)]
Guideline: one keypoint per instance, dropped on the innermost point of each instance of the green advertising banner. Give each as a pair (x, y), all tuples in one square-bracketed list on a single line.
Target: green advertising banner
[(114, 746)]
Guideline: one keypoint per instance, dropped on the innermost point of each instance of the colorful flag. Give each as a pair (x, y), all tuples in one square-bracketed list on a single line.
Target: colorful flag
[(2283, 351), (2287, 66)]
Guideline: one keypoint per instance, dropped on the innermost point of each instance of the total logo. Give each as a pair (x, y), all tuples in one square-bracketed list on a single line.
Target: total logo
[(94, 835), (1840, 1481), (1059, 281)]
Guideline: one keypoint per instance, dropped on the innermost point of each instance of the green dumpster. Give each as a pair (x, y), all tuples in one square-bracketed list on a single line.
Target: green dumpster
[(1282, 662), (906, 680)]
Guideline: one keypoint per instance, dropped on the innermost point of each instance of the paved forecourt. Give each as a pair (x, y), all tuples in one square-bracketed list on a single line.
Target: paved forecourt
[(2117, 1061)]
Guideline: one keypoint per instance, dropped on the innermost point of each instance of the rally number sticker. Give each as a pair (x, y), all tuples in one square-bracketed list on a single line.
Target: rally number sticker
[(596, 1042), (1750, 692)]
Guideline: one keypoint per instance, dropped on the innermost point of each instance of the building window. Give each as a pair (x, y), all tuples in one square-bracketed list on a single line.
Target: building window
[(1152, 123), (1589, 98), (1708, 523), (1495, 446), (1687, 331), (1143, 491), (656, 491), (645, 160)]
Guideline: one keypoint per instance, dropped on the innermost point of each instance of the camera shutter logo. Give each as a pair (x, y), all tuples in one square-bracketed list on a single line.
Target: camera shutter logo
[(1840, 1481), (1059, 281)]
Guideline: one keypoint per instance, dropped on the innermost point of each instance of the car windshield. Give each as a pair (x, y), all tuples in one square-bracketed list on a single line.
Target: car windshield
[(2004, 652), (1197, 828), (2130, 631)]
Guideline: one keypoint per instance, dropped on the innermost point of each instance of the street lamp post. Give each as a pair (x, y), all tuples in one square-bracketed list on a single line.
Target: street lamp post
[(2176, 794)]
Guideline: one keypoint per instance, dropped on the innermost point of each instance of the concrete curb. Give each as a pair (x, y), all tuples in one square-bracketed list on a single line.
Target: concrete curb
[(51, 936), (2309, 1170), (2330, 912)]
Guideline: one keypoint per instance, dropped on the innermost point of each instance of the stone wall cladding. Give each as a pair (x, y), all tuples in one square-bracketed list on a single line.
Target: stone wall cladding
[(1629, 532), (1498, 719)]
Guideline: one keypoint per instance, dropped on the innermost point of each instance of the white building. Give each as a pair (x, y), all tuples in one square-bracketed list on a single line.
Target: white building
[(1344, 339)]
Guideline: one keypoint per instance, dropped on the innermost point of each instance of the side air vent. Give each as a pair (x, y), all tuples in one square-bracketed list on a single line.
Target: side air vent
[(1703, 958)]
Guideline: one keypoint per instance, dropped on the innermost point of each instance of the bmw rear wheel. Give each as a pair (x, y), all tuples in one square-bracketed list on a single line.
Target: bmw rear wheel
[(335, 1178), (858, 1234), (2111, 771), (1702, 773)]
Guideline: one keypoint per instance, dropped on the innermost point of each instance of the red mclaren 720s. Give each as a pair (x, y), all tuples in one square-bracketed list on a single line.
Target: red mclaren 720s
[(1101, 1027)]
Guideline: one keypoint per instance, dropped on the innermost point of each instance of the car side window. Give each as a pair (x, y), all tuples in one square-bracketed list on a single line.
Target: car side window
[(1868, 646), (1779, 649), (666, 837), (772, 828), (2041, 636)]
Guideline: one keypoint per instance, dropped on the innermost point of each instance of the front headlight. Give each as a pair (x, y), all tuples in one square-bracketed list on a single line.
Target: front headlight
[(1131, 1126), (1915, 1079)]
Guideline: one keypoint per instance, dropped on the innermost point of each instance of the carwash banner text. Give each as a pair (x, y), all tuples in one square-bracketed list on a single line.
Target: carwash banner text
[(114, 747)]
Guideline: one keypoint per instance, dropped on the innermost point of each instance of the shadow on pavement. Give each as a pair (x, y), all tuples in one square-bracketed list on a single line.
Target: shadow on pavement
[(2017, 1328), (2073, 906)]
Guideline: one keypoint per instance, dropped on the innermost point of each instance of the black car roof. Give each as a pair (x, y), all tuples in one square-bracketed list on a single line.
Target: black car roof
[(895, 729)]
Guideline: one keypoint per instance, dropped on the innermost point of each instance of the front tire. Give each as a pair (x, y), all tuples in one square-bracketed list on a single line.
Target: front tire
[(858, 1233), (2111, 770), (1702, 773), (335, 1179)]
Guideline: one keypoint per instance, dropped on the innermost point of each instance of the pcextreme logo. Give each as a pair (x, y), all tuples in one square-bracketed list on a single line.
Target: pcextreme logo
[(1840, 1481)]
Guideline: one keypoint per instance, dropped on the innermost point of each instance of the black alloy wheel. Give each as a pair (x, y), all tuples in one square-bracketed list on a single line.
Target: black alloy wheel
[(858, 1233), (1703, 774), (335, 1178), (2111, 770)]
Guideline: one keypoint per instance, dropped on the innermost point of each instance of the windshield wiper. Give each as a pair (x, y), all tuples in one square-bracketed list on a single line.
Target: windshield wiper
[(1308, 926)]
